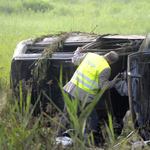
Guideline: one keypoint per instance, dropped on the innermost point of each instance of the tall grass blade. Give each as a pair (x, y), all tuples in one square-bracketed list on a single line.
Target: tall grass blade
[(79, 122), (111, 125), (52, 102), (110, 129), (28, 115), (21, 99), (54, 121), (4, 125), (87, 111), (30, 137)]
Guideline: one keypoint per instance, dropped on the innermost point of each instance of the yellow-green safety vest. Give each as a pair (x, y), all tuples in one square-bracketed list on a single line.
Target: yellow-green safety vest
[(87, 74)]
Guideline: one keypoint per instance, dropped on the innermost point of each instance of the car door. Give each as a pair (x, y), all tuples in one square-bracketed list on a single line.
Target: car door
[(139, 85)]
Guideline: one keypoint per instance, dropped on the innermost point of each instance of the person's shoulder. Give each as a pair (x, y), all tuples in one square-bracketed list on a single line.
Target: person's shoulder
[(106, 71)]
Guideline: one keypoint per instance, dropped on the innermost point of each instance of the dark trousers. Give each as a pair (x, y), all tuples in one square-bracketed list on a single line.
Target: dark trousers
[(92, 120)]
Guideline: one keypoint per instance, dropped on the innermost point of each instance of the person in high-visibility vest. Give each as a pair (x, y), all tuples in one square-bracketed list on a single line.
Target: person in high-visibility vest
[(91, 75)]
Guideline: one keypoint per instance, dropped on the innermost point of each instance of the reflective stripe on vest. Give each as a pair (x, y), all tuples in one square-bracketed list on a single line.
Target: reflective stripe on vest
[(87, 75), (84, 83)]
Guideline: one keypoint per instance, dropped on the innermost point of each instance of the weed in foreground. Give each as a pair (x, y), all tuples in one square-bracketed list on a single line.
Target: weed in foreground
[(78, 123)]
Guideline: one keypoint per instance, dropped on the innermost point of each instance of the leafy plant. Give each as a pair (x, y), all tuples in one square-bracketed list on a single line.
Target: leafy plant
[(78, 123), (17, 133)]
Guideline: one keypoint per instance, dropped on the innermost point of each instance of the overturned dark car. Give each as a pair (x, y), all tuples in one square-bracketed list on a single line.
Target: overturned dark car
[(37, 63)]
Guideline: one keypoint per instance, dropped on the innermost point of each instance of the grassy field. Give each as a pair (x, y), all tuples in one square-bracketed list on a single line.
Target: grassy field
[(23, 19)]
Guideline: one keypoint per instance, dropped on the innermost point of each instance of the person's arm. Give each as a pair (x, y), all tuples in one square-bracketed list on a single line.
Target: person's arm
[(78, 56), (103, 79)]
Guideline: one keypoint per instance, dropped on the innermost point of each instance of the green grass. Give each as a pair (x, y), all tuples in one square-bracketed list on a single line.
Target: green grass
[(23, 19), (21, 130), (19, 22)]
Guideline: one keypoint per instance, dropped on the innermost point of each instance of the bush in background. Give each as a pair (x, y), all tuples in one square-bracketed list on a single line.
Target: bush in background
[(14, 6), (37, 6)]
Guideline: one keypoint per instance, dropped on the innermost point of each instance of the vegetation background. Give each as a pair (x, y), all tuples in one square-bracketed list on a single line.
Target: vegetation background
[(23, 19)]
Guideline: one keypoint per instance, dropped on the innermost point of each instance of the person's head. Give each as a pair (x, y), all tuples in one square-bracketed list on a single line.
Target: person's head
[(111, 57)]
